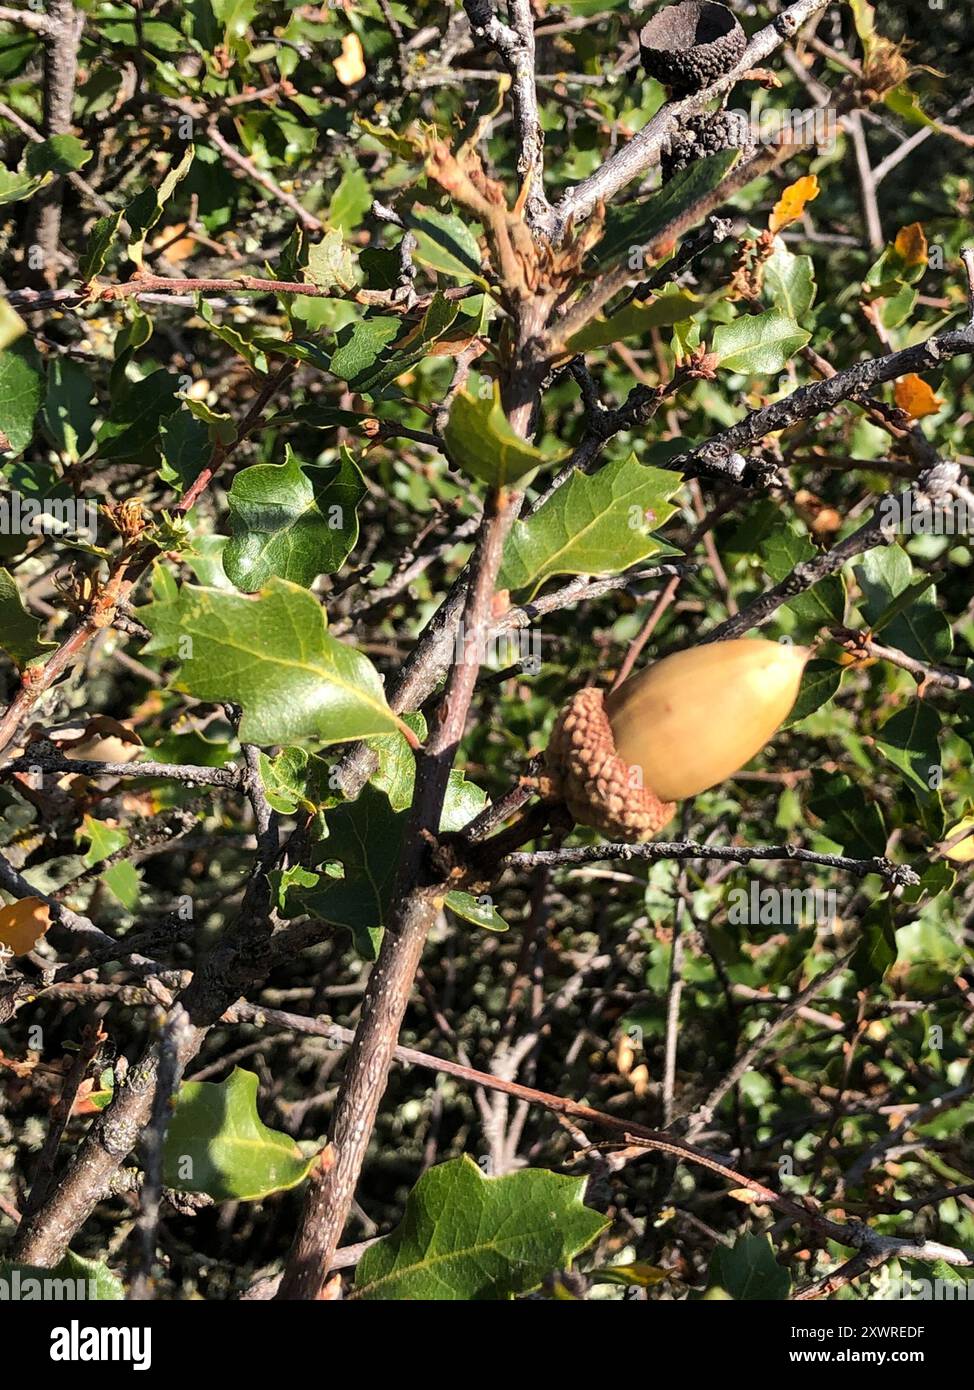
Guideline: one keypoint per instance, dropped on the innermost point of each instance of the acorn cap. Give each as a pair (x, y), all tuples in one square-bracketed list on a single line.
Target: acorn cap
[(620, 762), (688, 46), (698, 136)]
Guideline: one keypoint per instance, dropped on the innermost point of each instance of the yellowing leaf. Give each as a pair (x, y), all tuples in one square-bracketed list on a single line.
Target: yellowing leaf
[(913, 395), (911, 244), (958, 843), (23, 923), (350, 67), (791, 204)]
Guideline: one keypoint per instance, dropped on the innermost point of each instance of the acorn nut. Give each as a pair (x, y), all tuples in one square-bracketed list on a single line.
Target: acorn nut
[(621, 762)]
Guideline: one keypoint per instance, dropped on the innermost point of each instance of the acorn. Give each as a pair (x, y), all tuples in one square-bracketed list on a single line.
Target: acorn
[(688, 46), (621, 762)]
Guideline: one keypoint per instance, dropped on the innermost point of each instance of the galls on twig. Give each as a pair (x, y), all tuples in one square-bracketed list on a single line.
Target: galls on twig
[(621, 762), (688, 46)]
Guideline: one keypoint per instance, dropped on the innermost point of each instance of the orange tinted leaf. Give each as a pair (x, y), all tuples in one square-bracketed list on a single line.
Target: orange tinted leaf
[(913, 395), (791, 204), (911, 245), (23, 923)]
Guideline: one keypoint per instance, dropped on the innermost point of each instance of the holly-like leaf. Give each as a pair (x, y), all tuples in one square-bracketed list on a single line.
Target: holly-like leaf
[(596, 524), (633, 226), (69, 414), (217, 1143), (820, 683), (483, 445), (271, 654), (910, 741), (464, 1236), (331, 262), (99, 242), (748, 1270), (21, 394), (758, 343), (480, 911), (673, 306), (292, 520), (786, 545), (365, 838), (18, 629), (73, 1278), (445, 243), (876, 947), (789, 282), (61, 154), (133, 424), (848, 817), (146, 207)]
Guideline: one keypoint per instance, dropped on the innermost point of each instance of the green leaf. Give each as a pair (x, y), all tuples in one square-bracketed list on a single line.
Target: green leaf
[(360, 344), (216, 1143), (758, 343), (272, 655), (748, 1270), (100, 240), (365, 837), (464, 1236), (133, 425), (876, 945), (445, 243), (820, 683), (598, 524), (185, 448), (18, 629), (848, 817), (382, 371), (478, 910), (61, 154), (789, 282), (292, 520), (105, 840), (332, 263), (483, 445), (909, 740), (21, 394), (785, 545), (297, 778), (350, 201), (72, 1278), (69, 414), (146, 208), (673, 306), (15, 187), (630, 228)]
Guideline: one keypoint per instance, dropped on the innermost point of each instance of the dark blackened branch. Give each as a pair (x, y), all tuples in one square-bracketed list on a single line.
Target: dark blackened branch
[(656, 850), (721, 456), (514, 44), (712, 233), (46, 759), (932, 489)]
